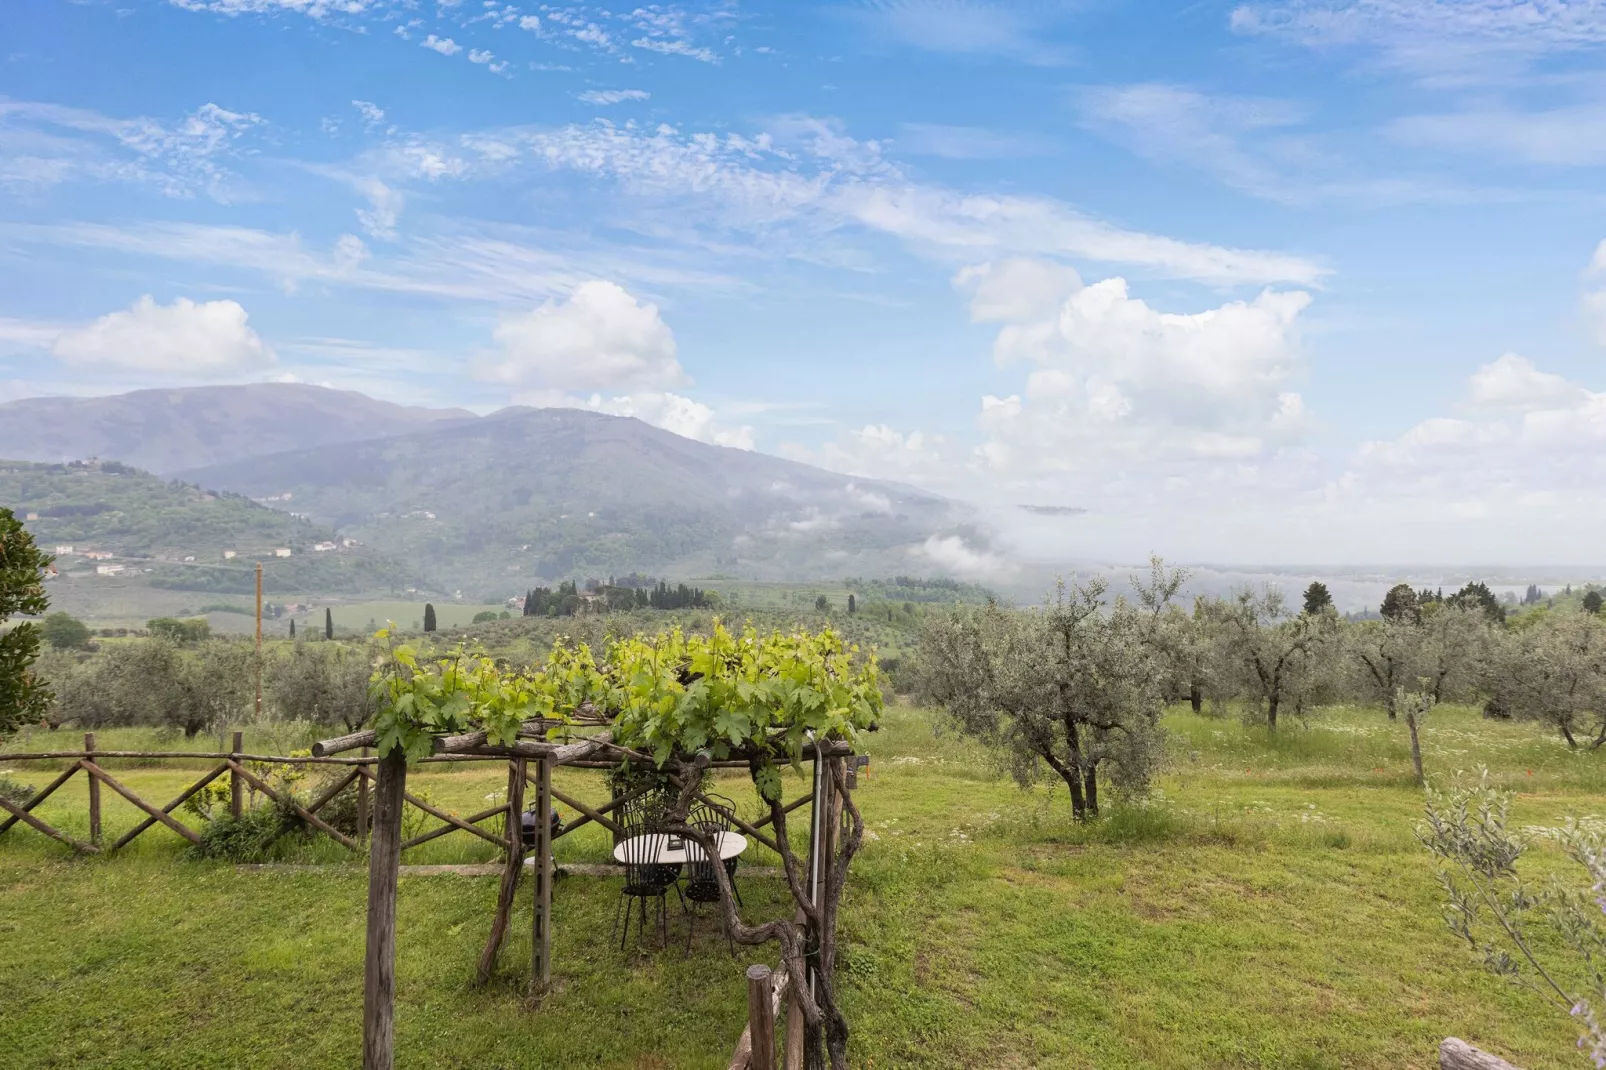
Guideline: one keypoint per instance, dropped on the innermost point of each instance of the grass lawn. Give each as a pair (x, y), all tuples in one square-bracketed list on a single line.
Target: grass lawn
[(1268, 907)]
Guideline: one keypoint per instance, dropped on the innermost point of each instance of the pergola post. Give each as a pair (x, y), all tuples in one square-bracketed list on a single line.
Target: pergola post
[(384, 864), (94, 793), (541, 930)]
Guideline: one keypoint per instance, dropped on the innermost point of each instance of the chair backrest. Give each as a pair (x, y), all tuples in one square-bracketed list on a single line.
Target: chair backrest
[(639, 821)]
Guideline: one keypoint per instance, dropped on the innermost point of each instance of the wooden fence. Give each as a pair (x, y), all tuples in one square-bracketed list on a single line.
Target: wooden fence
[(236, 764)]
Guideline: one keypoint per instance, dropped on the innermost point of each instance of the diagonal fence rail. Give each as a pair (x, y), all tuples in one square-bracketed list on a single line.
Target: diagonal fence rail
[(237, 765)]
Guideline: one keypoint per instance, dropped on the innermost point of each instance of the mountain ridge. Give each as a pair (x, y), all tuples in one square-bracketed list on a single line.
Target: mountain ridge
[(538, 494), (165, 430)]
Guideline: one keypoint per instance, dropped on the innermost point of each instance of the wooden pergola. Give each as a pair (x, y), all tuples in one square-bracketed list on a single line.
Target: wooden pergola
[(594, 752)]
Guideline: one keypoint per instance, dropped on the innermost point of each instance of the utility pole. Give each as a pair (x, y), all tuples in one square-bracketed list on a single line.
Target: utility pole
[(259, 642)]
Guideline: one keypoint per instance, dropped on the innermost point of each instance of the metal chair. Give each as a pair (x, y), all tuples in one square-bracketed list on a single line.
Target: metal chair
[(719, 808), (645, 877), (702, 881)]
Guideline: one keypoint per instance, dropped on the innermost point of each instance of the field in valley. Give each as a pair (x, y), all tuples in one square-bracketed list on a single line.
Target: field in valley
[(1268, 906)]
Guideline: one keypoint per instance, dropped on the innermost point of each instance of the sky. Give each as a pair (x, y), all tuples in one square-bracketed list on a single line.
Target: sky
[(1320, 281)]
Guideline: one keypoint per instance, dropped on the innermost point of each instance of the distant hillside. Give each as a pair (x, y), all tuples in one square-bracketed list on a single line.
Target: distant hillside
[(166, 430), (131, 523), (525, 494)]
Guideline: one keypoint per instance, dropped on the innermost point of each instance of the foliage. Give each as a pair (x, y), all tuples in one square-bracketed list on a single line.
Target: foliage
[(1401, 604), (1271, 658), (673, 693), (324, 682), (1476, 595), (155, 681), (106, 506), (248, 837), (1318, 598), (1592, 602), (429, 617), (63, 631), (1444, 645), (1073, 687), (1553, 670), (192, 630), (23, 695), (1497, 912), (15, 791)]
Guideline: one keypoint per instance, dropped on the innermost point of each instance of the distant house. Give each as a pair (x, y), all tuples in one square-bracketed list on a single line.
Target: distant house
[(99, 555), (32, 516), (323, 547), (282, 551), (228, 555), (109, 570), (62, 551), (189, 559)]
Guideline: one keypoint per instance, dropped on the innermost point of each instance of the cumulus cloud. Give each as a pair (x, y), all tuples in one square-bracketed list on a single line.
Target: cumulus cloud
[(1016, 289), (680, 415), (183, 340), (599, 338), (444, 45), (1529, 445)]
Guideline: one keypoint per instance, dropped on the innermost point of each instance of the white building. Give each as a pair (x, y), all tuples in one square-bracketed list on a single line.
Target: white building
[(323, 547), (108, 570), (283, 551), (228, 555), (62, 551)]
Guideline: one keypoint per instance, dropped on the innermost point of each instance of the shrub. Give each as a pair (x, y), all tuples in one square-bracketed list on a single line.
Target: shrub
[(15, 791), (248, 837)]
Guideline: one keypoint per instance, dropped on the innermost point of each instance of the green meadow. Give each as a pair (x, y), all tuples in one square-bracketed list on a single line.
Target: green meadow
[(1267, 905)]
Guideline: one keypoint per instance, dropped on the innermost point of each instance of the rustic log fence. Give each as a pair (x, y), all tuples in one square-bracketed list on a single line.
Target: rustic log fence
[(381, 786)]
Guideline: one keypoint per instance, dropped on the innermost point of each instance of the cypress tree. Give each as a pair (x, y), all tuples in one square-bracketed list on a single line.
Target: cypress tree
[(328, 623), (853, 605), (429, 616), (292, 627)]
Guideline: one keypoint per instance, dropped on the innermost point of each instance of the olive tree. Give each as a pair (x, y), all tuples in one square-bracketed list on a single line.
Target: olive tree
[(1438, 648), (156, 682), (1072, 687), (1274, 658), (323, 682), (23, 695), (1554, 671)]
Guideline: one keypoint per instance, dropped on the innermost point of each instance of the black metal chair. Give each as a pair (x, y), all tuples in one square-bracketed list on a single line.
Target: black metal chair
[(645, 877), (702, 881), (723, 810)]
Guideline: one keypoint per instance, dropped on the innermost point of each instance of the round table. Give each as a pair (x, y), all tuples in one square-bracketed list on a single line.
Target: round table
[(658, 852)]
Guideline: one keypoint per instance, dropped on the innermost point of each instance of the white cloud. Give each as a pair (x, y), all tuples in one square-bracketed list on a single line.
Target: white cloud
[(952, 554), (385, 207), (371, 113), (1527, 462), (444, 45), (599, 338), (46, 144), (183, 340), (612, 96), (1409, 25), (675, 47), (1016, 289), (314, 9), (683, 416), (1512, 382)]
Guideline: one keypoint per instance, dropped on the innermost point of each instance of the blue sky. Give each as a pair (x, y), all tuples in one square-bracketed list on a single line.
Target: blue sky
[(1320, 281)]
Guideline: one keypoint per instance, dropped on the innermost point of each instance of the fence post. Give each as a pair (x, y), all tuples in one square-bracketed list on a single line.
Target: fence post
[(760, 1018), (94, 793), (236, 785), (384, 864), (541, 926)]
